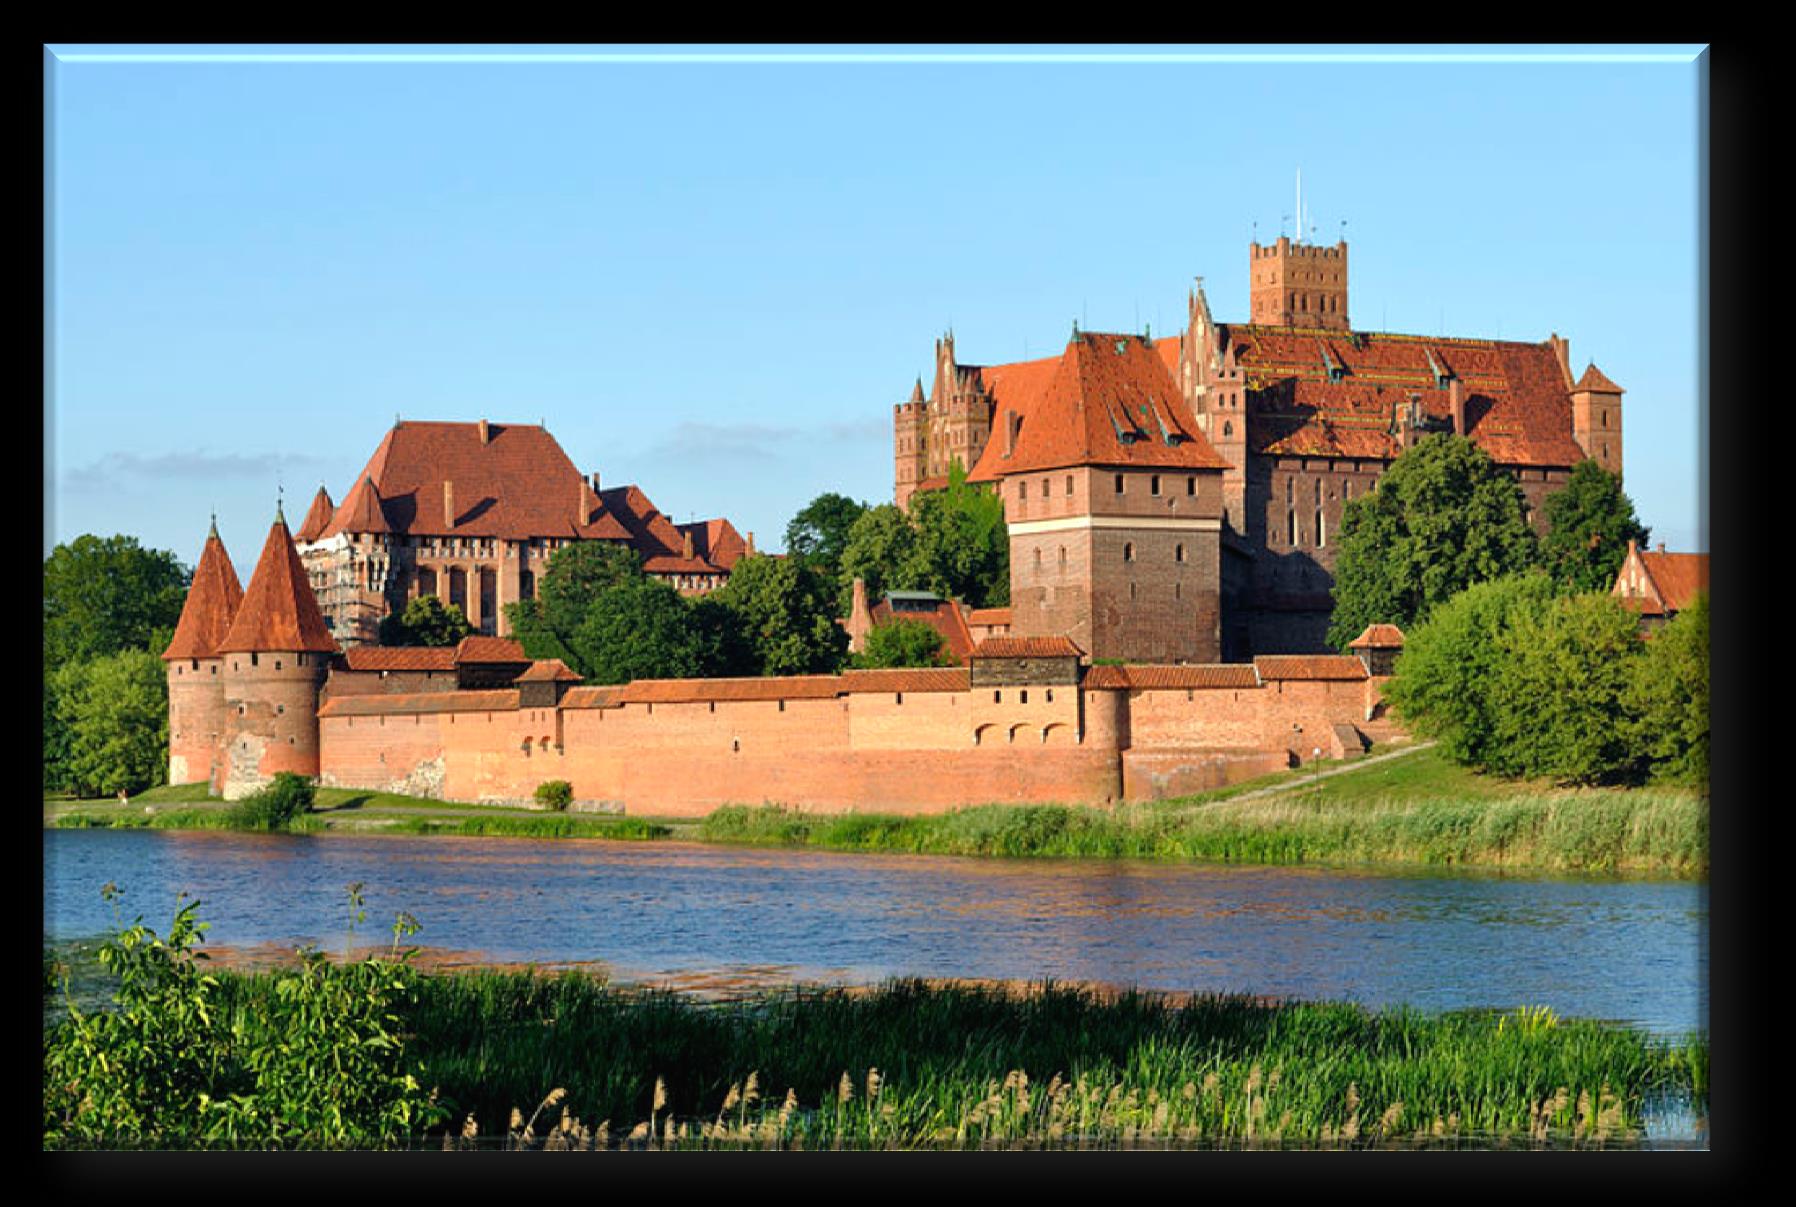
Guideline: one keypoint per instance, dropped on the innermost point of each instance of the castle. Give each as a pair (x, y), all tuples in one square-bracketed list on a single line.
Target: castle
[(258, 686), (471, 513), (1177, 500)]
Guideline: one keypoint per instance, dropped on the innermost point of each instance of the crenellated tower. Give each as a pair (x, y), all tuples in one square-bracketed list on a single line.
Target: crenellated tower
[(275, 657), (910, 444), (1215, 388), (1596, 418), (196, 698), (1298, 285), (960, 413)]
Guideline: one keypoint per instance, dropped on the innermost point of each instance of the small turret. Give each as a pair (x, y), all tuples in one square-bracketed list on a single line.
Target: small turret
[(196, 702)]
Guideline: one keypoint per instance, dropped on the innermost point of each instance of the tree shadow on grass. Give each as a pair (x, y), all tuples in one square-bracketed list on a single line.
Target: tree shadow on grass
[(354, 802)]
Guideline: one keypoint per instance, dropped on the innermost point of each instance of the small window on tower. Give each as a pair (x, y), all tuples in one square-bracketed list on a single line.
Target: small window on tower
[(1069, 484), (1128, 551), (1022, 490), (1119, 483), (1153, 487)]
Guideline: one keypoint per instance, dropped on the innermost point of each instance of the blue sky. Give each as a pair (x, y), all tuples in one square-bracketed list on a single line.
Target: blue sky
[(715, 278)]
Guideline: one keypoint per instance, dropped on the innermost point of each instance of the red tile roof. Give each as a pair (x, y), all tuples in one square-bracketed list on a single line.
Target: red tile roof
[(1516, 405), (1379, 637), (317, 518), (212, 602), (1109, 401), (1595, 380), (1677, 577), (399, 658), (1309, 666), (592, 697), (680, 691), (716, 541), (945, 618), (279, 611), (1027, 647), (550, 670), (503, 700), (490, 649), (908, 679), (989, 617), (362, 511), (1156, 677)]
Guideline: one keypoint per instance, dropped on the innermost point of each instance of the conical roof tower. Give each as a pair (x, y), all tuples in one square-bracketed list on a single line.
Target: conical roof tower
[(279, 611), (212, 602), (316, 519)]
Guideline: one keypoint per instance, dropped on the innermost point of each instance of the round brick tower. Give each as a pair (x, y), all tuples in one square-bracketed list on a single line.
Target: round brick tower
[(275, 658), (196, 702)]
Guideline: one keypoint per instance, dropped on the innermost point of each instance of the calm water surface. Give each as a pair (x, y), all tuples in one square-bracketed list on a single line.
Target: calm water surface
[(694, 915)]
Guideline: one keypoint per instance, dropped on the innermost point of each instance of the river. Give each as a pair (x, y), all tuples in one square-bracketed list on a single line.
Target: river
[(710, 918)]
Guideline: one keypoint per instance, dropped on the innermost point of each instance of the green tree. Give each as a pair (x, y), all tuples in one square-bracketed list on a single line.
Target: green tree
[(786, 614), (1557, 703), (1443, 517), (1667, 699), (903, 643), (577, 576), (534, 634), (426, 620), (724, 649), (115, 712), (1590, 522), (962, 548), (818, 534), (1448, 673), (106, 594), (879, 550), (638, 630)]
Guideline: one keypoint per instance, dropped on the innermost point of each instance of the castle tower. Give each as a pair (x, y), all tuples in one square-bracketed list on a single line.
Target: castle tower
[(275, 658), (1596, 418), (1215, 388), (910, 444), (196, 700), (1298, 285), (960, 414)]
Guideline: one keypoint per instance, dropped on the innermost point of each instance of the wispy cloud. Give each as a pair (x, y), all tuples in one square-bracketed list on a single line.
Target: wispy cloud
[(199, 464)]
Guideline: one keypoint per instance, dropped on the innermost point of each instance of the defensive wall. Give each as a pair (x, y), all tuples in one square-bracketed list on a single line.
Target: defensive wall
[(897, 740)]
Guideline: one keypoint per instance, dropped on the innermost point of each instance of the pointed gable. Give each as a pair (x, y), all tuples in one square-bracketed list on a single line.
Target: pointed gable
[(317, 519), (1596, 382), (279, 611), (362, 511), (212, 602), (1109, 401)]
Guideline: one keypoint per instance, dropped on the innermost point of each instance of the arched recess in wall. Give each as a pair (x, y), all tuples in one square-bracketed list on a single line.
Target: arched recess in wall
[(1019, 727), (1055, 734), (982, 733)]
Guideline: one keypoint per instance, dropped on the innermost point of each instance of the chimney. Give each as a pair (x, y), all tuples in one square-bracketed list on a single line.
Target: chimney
[(1562, 353), (595, 481), (588, 504), (751, 544), (448, 503), (485, 438), (860, 619), (686, 544), (1456, 400)]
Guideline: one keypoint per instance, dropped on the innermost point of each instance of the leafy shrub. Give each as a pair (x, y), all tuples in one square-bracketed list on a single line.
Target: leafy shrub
[(183, 1060), (555, 794), (276, 806)]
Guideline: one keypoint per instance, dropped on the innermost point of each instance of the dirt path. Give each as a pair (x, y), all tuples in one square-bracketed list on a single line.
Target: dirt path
[(1306, 781)]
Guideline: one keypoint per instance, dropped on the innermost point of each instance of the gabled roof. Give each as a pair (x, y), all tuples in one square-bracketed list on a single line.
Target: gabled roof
[(278, 611), (1379, 637), (716, 541), (1108, 401), (1595, 380), (944, 616), (550, 670), (1027, 647), (478, 649), (652, 534), (1309, 666), (1516, 405), (363, 510), (1672, 581), (212, 602), (316, 518)]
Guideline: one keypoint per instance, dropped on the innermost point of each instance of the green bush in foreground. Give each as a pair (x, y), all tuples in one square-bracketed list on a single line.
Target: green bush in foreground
[(276, 806), (555, 794), (316, 1055)]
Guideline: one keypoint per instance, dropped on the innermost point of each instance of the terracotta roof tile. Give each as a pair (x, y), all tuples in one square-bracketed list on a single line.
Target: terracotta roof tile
[(1309, 666), (279, 611), (1108, 401), (212, 601), (945, 618), (1595, 380), (1027, 647), (989, 617), (1156, 677), (592, 697), (680, 691), (362, 511), (504, 700), (1379, 637), (317, 518), (1678, 576), (399, 658), (549, 670), (1113, 678), (908, 679), (490, 649), (716, 541), (1516, 404)]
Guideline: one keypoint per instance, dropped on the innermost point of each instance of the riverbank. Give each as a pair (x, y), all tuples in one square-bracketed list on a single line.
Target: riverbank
[(1413, 810), (911, 1064)]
